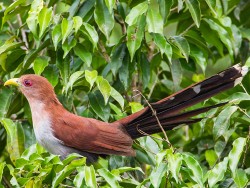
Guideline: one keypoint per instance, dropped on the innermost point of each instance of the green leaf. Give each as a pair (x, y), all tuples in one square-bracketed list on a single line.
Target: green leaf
[(84, 55), (117, 96), (174, 164), (157, 174), (235, 154), (91, 77), (73, 79), (110, 4), (108, 177), (135, 35), (117, 57), (68, 45), (28, 60), (194, 166), (124, 169), (163, 45), (56, 35), (240, 178), (217, 173), (144, 68), (77, 23), (199, 57), (98, 105), (79, 178), (176, 71), (194, 9), (103, 18), (11, 8), (237, 97), (32, 20), (182, 44), (52, 75), (40, 63), (221, 123), (90, 178), (10, 45), (212, 5), (211, 157), (2, 165), (165, 7), (136, 12), (105, 88), (223, 35), (67, 170), (44, 18), (91, 33), (66, 28), (135, 107), (5, 95), (15, 139), (154, 21)]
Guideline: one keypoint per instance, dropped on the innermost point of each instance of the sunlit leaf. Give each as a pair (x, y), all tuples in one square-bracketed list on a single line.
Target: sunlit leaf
[(216, 174), (135, 36), (44, 18), (154, 21), (90, 178), (117, 96), (158, 172), (108, 177), (60, 176), (66, 28), (32, 20), (91, 77), (77, 23), (194, 9), (194, 166), (221, 123), (105, 88), (240, 178), (40, 63), (74, 78), (15, 139), (235, 154), (103, 18), (136, 12)]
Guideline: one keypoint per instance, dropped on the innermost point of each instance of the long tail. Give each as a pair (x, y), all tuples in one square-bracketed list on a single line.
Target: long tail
[(168, 110)]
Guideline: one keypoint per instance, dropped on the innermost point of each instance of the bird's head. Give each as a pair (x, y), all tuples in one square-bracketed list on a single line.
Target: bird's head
[(34, 87)]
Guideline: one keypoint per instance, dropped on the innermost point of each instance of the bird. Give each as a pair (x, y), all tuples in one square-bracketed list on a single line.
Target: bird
[(62, 133)]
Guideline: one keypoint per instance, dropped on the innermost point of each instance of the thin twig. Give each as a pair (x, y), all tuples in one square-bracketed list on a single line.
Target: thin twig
[(104, 52), (245, 152), (146, 134), (186, 30), (244, 88), (24, 37), (6, 183), (154, 113), (144, 148)]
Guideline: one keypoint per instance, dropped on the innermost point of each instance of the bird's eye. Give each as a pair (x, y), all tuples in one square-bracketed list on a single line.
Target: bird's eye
[(27, 83)]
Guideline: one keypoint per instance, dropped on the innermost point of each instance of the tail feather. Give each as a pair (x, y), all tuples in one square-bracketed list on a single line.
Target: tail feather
[(169, 109)]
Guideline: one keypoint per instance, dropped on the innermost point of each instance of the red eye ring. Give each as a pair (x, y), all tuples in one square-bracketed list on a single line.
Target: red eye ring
[(27, 83)]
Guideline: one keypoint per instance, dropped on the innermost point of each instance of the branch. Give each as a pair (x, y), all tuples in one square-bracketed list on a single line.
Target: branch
[(154, 113)]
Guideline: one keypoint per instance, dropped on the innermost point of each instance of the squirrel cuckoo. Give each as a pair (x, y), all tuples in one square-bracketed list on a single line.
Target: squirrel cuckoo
[(62, 132)]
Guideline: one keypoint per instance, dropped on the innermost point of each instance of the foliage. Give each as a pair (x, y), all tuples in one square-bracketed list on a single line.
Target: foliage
[(96, 54)]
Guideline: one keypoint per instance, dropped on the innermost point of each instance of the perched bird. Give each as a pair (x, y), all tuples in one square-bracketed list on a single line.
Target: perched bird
[(63, 133)]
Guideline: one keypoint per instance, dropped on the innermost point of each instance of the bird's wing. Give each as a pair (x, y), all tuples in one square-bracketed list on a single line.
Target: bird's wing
[(91, 135)]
